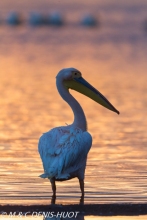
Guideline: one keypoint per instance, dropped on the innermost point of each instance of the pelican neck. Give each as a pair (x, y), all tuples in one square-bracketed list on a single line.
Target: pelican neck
[(79, 116)]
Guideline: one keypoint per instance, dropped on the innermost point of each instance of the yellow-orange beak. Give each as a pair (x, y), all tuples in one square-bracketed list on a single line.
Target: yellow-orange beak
[(82, 86)]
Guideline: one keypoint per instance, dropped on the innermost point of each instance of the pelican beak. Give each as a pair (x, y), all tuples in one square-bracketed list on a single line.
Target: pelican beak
[(82, 86)]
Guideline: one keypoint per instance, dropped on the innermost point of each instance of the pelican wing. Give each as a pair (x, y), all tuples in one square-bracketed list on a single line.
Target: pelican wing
[(63, 151)]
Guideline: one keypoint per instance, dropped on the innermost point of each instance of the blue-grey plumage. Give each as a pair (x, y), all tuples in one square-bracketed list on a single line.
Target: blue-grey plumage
[(64, 150)]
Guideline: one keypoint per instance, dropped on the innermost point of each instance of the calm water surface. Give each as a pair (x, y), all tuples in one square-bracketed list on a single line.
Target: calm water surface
[(113, 59)]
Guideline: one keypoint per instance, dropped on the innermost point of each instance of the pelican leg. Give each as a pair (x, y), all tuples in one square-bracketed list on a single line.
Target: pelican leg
[(53, 186), (81, 182), (53, 200)]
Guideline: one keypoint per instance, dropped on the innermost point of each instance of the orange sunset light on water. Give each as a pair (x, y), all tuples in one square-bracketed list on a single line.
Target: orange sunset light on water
[(111, 57)]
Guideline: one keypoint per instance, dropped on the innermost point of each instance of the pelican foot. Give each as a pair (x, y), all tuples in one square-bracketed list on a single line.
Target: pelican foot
[(81, 200)]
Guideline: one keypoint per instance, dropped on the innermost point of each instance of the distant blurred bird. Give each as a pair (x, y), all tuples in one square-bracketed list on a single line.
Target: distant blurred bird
[(55, 19), (14, 19), (89, 21), (64, 149), (37, 19)]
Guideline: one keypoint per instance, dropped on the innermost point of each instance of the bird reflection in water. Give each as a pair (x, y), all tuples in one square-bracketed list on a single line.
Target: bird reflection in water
[(53, 200), (78, 217)]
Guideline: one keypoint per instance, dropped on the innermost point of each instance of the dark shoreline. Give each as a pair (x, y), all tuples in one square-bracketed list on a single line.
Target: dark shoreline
[(122, 209)]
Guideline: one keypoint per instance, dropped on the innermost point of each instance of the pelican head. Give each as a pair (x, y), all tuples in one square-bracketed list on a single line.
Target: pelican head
[(72, 79)]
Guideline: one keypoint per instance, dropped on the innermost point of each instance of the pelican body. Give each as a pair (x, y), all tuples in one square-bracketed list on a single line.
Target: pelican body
[(64, 149)]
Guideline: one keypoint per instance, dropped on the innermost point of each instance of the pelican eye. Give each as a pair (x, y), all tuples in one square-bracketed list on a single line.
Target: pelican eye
[(76, 74)]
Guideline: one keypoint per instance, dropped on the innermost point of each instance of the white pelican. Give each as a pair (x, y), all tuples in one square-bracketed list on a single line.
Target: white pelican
[(64, 149)]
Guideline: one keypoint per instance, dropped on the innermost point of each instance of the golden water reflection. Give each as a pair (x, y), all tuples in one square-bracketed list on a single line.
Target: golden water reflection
[(30, 105), (117, 163)]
